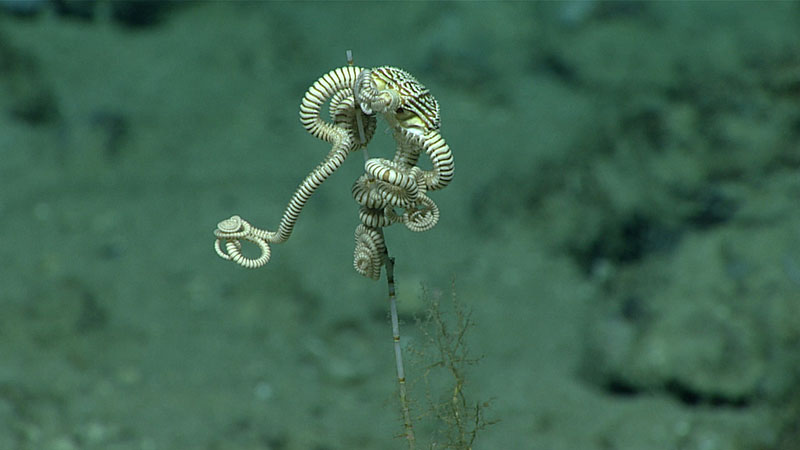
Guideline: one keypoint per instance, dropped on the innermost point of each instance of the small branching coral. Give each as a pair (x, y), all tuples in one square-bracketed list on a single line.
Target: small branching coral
[(445, 356)]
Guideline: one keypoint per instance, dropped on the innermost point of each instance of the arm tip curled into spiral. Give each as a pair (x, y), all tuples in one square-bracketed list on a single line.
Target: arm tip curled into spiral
[(370, 251), (231, 231)]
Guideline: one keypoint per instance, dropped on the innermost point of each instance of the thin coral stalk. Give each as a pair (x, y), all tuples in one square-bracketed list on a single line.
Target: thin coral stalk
[(398, 353)]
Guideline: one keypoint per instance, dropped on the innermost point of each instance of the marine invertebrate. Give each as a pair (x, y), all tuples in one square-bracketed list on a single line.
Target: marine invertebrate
[(389, 191)]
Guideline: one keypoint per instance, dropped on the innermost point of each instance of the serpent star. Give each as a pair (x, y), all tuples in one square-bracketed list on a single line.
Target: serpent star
[(389, 191)]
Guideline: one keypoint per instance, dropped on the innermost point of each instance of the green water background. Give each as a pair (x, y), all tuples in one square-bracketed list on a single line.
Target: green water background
[(615, 163)]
